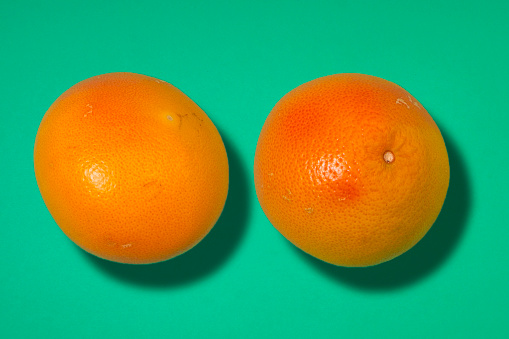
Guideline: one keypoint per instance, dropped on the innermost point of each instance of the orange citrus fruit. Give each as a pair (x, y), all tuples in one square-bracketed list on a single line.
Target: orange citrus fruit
[(130, 168), (351, 169)]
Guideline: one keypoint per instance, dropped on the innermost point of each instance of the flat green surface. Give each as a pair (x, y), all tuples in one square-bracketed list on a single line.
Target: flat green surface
[(236, 61)]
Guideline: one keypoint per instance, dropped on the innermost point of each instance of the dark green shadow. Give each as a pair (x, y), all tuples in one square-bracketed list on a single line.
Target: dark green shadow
[(430, 253), (207, 256)]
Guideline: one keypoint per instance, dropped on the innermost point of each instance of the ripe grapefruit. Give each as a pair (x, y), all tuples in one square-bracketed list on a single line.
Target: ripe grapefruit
[(351, 169), (131, 169)]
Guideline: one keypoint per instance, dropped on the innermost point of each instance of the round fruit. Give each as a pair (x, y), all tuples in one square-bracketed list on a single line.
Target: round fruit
[(131, 169), (351, 169)]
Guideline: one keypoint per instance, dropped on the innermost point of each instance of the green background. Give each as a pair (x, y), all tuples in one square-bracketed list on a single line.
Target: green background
[(236, 60)]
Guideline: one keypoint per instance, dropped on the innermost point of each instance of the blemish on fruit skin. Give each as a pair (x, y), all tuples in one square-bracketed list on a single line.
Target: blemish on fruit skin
[(193, 114), (110, 242), (126, 245), (181, 117), (309, 210), (90, 110), (415, 103), (400, 101), (288, 196), (169, 117), (197, 117), (150, 183)]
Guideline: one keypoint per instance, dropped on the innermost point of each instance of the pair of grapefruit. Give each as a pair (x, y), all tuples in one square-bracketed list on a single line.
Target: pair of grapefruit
[(350, 168)]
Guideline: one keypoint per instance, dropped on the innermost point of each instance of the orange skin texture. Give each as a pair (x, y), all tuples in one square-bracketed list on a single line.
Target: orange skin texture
[(131, 169), (322, 180)]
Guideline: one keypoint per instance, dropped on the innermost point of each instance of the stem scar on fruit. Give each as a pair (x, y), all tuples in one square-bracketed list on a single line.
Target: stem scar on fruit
[(389, 157)]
